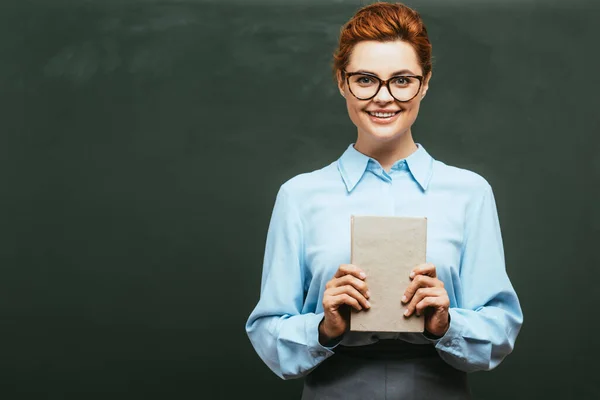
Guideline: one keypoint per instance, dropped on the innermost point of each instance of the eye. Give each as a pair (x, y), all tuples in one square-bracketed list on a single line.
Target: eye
[(364, 80), (402, 81)]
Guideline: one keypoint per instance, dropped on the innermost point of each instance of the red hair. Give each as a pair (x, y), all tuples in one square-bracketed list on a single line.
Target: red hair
[(384, 22)]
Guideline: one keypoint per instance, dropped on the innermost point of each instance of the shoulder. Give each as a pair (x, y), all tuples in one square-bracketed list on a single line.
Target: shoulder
[(459, 179), (306, 184)]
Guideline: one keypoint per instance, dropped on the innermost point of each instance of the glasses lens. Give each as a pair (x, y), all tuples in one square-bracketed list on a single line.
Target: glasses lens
[(363, 86), (403, 88)]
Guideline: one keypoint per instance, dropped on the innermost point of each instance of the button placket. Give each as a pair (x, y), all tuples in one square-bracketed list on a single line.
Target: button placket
[(392, 194)]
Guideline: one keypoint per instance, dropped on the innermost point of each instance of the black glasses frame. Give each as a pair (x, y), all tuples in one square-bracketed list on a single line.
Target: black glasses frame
[(382, 82)]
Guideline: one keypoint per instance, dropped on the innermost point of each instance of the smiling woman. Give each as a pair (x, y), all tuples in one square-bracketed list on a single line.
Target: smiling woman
[(472, 314), (394, 103)]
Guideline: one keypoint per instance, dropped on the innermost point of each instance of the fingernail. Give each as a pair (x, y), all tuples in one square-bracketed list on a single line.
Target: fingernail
[(404, 299), (412, 274), (406, 313), (368, 304), (363, 275), (368, 294)]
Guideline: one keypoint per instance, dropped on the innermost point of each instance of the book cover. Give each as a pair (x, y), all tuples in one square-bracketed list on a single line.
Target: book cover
[(387, 248)]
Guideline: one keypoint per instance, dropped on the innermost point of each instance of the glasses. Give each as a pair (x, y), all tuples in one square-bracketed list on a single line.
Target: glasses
[(365, 86)]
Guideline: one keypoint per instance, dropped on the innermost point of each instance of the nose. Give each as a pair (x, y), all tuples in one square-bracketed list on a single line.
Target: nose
[(383, 95)]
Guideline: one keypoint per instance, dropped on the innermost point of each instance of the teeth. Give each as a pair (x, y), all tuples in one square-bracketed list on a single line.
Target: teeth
[(383, 115)]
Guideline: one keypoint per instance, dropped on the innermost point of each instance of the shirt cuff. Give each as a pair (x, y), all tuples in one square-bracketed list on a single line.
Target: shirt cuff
[(315, 348), (452, 332), (452, 339)]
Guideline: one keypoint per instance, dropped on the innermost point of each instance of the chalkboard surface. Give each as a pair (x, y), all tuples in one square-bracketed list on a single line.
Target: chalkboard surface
[(142, 144)]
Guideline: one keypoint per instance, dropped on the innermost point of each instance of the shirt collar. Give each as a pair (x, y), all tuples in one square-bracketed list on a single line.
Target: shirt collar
[(352, 165)]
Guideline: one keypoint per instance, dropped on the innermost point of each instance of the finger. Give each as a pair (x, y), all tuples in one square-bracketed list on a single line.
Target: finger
[(351, 291), (344, 298), (350, 269), (334, 302), (424, 269), (420, 294), (420, 281), (433, 302), (358, 284)]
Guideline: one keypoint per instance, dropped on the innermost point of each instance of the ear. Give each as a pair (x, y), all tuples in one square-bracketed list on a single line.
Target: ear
[(340, 83), (425, 87)]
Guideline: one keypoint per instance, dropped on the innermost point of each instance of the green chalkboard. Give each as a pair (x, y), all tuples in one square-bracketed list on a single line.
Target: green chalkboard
[(142, 144)]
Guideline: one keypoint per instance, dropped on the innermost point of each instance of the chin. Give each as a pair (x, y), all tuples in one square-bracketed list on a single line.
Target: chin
[(383, 131), (386, 134)]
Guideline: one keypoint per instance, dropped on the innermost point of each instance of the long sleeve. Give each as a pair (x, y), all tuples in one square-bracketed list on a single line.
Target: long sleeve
[(285, 337), (484, 327)]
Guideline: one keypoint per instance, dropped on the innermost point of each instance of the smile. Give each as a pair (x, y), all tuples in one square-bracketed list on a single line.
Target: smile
[(383, 117)]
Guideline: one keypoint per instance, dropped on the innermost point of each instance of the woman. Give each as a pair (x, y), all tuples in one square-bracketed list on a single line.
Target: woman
[(472, 314)]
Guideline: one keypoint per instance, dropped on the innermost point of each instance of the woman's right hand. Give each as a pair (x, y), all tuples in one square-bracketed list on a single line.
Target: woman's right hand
[(347, 287)]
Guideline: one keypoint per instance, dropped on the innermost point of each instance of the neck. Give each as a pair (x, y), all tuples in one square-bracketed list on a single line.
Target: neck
[(387, 153)]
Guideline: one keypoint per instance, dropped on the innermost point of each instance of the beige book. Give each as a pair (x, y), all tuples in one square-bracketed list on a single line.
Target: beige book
[(387, 249)]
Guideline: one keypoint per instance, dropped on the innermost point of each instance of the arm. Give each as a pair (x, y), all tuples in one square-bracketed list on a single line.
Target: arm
[(484, 326), (286, 339)]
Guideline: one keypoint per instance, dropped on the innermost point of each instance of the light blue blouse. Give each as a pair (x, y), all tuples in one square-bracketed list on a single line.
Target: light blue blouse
[(309, 237)]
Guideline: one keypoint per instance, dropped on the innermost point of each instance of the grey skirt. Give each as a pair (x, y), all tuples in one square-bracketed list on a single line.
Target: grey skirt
[(386, 370)]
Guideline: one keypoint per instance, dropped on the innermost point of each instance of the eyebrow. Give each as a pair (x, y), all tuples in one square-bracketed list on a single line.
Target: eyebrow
[(401, 72)]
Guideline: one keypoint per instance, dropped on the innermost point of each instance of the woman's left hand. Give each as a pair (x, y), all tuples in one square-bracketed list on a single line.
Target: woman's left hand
[(426, 296)]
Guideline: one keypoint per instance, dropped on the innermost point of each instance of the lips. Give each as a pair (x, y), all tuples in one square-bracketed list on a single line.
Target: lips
[(383, 116)]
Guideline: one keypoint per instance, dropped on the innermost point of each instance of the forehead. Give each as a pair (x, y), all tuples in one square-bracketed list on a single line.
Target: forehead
[(383, 58)]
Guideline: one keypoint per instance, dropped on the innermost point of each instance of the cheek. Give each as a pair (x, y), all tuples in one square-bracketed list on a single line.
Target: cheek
[(414, 110), (411, 112), (354, 111)]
